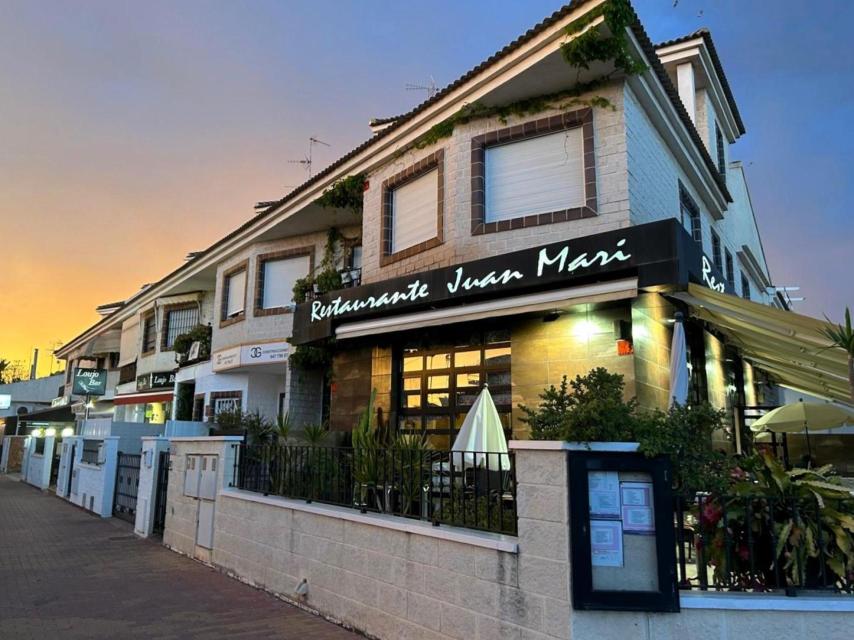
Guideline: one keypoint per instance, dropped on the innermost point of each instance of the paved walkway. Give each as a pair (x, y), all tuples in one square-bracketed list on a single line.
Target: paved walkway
[(67, 574)]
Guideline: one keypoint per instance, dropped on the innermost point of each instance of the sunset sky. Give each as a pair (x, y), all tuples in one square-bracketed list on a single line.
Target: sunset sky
[(133, 133)]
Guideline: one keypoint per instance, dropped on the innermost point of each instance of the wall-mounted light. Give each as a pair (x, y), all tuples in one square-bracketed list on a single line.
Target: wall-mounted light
[(67, 432), (584, 329), (37, 433), (50, 432)]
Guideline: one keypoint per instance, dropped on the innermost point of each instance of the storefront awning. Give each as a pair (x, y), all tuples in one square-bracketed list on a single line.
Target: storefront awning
[(543, 301), (787, 345), (143, 398)]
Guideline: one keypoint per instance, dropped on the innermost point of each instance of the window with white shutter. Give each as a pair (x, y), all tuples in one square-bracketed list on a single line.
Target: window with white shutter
[(278, 281), (235, 294), (534, 176), (414, 211)]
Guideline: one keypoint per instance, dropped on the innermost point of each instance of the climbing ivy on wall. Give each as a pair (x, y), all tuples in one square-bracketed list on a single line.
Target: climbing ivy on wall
[(346, 193), (584, 48)]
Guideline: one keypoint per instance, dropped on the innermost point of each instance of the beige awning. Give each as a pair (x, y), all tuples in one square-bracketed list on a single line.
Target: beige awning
[(107, 342), (785, 344)]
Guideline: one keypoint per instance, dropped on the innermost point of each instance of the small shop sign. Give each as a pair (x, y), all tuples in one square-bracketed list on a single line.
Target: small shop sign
[(155, 380), (89, 382), (250, 355)]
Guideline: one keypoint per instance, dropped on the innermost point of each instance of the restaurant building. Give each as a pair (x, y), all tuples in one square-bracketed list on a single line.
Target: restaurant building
[(528, 222)]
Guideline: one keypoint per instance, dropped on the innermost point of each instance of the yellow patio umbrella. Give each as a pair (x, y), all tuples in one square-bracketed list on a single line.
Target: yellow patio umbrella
[(800, 417)]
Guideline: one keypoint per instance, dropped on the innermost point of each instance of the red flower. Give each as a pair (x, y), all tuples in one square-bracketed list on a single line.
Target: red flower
[(711, 513)]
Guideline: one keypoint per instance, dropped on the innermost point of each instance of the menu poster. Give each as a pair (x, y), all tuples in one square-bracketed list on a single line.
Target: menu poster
[(603, 492), (606, 543), (637, 514)]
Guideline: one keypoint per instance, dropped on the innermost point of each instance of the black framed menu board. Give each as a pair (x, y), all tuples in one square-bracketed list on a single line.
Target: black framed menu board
[(621, 531)]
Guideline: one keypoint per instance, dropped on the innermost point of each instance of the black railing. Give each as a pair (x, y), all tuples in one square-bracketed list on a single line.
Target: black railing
[(90, 451), (471, 490), (764, 543)]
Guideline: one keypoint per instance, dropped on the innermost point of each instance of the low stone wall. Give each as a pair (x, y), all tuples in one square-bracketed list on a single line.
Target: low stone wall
[(397, 578)]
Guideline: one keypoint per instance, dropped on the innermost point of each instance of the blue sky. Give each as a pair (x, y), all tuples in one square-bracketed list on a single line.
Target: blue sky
[(136, 132)]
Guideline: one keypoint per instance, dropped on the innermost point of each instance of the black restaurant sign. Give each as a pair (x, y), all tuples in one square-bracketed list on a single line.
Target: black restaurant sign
[(657, 253), (155, 380), (89, 382)]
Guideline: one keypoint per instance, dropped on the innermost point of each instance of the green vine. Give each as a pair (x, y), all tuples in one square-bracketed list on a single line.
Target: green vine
[(346, 193), (583, 49), (314, 356)]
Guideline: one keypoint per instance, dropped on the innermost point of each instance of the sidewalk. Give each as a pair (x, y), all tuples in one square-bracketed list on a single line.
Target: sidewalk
[(67, 574)]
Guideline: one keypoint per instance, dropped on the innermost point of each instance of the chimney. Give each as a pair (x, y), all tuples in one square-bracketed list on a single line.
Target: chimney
[(687, 89)]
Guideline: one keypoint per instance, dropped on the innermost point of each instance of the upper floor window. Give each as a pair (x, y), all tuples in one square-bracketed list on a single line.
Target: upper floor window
[(745, 287), (716, 250), (277, 274), (234, 293), (719, 142), (178, 320), (413, 209), (690, 214), (537, 173), (730, 270), (149, 332)]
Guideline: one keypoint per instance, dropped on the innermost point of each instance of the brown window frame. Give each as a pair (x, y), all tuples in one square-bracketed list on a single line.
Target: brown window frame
[(435, 160), (148, 315), (258, 308), (224, 320), (164, 333), (580, 118)]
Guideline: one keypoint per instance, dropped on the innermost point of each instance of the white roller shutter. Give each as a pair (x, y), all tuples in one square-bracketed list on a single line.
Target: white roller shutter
[(129, 343), (279, 279), (236, 293), (415, 211), (538, 175)]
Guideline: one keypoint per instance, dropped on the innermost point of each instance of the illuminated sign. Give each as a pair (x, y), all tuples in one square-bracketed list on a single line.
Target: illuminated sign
[(155, 380), (5, 400), (709, 279), (89, 382)]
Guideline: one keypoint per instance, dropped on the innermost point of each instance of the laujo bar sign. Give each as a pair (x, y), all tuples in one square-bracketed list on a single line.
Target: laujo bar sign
[(549, 262)]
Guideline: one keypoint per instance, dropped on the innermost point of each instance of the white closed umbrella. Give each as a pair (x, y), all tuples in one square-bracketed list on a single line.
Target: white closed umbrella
[(482, 433), (679, 374)]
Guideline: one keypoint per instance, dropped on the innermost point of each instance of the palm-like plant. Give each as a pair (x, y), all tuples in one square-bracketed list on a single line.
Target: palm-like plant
[(842, 336)]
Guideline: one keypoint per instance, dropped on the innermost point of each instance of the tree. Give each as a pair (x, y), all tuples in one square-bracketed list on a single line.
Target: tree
[(4, 365), (842, 336), (12, 371)]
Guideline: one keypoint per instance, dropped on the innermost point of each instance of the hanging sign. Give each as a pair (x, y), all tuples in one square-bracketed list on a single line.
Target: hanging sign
[(89, 382), (155, 380)]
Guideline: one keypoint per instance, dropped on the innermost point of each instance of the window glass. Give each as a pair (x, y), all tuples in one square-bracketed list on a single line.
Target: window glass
[(149, 333), (179, 321), (415, 211), (467, 358), (438, 397), (278, 280), (536, 175), (235, 294)]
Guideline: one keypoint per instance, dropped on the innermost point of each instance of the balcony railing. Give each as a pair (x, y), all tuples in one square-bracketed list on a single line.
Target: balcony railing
[(760, 544), (475, 491)]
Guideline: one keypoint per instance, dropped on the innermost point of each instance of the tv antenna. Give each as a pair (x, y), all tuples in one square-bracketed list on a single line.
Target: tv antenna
[(306, 161), (430, 87)]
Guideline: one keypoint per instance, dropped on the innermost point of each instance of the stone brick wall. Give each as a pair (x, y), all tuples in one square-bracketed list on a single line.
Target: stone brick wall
[(652, 339), (459, 244)]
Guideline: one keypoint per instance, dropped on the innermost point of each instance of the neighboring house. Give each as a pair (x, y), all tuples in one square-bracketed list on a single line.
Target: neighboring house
[(27, 397), (509, 247)]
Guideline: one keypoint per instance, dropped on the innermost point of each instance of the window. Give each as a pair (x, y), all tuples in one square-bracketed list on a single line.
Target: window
[(730, 270), (413, 218), (413, 209), (539, 172), (234, 294), (719, 140), (534, 176), (149, 332), (178, 320), (127, 373), (227, 404), (277, 274), (745, 287), (690, 214), (716, 250), (438, 383), (354, 258)]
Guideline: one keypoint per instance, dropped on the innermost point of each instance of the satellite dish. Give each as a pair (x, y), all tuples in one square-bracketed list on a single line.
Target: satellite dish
[(22, 411)]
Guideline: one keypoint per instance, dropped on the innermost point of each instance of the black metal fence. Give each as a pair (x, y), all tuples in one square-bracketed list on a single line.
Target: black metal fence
[(127, 486), (764, 543), (464, 489)]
